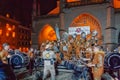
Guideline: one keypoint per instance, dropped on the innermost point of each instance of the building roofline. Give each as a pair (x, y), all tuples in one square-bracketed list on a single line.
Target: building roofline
[(24, 27), (9, 19), (46, 16)]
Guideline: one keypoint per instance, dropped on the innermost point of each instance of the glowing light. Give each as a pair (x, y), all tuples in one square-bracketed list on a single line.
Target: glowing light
[(7, 25), (26, 49), (7, 34), (72, 0), (13, 27), (9, 29), (13, 34), (20, 48), (0, 48), (8, 15), (0, 31), (47, 33), (116, 3)]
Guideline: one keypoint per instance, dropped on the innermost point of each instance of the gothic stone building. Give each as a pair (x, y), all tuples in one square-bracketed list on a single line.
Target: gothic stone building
[(101, 15)]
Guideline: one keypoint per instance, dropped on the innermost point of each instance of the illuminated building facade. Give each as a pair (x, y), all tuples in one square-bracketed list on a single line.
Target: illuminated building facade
[(12, 32), (101, 15)]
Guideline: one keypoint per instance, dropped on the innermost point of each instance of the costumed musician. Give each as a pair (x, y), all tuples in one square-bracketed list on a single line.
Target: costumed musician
[(97, 63), (4, 56), (49, 59)]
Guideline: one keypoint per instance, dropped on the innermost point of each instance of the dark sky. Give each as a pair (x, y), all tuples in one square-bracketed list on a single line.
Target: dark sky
[(21, 10)]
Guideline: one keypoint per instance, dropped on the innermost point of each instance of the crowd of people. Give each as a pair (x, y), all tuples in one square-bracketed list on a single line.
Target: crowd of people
[(75, 48), (79, 49)]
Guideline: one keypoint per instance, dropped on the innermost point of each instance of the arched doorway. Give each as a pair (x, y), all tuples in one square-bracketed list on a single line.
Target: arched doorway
[(46, 33), (88, 20)]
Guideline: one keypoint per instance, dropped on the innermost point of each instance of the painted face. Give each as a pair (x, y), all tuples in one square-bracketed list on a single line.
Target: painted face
[(7, 47)]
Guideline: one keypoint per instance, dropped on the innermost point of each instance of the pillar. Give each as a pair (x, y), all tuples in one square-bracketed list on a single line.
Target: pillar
[(62, 14), (110, 36), (62, 24)]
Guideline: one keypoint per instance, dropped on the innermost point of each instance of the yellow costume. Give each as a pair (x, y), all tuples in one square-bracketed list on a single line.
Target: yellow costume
[(98, 69)]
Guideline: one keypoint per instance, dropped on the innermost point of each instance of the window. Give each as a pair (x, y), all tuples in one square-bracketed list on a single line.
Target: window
[(13, 34), (7, 34), (0, 31)]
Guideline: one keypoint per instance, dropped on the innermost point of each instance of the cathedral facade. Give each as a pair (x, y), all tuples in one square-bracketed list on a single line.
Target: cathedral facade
[(100, 15)]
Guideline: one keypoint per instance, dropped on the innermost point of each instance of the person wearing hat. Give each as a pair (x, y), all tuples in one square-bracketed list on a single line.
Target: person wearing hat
[(49, 58), (97, 63), (4, 55)]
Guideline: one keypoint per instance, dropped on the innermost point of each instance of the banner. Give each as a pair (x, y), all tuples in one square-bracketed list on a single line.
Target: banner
[(57, 31), (79, 30)]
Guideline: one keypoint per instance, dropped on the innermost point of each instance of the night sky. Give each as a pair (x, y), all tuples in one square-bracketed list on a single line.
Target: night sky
[(21, 10)]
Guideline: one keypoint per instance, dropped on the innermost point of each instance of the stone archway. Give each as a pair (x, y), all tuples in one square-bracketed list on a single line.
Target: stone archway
[(88, 20), (46, 33)]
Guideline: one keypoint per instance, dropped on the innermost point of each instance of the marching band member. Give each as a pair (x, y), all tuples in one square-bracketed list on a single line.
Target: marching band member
[(77, 50), (97, 63), (65, 51), (4, 55), (49, 57), (57, 52), (31, 63), (70, 50), (61, 50), (94, 39)]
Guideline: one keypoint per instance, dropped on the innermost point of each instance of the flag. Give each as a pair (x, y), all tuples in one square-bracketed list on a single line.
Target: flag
[(57, 32)]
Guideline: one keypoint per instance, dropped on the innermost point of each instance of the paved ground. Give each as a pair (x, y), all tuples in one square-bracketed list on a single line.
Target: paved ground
[(23, 74), (63, 74)]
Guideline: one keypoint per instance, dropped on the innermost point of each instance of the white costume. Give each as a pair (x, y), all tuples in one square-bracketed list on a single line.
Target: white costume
[(49, 56)]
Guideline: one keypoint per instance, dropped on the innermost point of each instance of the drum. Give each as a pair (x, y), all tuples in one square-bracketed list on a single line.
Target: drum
[(81, 73), (70, 65), (2, 72), (66, 63), (19, 60), (112, 61), (78, 69)]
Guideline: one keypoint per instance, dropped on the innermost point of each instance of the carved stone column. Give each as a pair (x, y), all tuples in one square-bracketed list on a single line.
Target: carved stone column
[(110, 36)]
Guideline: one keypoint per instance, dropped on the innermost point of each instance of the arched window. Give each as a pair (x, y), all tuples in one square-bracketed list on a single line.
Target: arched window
[(47, 33), (88, 20)]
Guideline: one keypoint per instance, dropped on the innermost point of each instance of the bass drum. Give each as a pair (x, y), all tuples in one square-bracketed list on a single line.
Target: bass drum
[(112, 61), (19, 60)]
